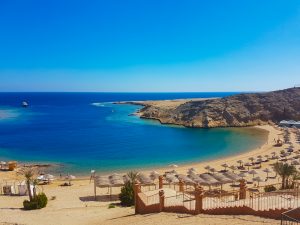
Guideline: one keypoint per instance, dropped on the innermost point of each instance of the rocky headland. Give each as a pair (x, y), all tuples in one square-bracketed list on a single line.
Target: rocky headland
[(234, 111)]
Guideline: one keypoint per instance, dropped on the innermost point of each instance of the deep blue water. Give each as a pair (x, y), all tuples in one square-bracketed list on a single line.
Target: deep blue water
[(69, 128)]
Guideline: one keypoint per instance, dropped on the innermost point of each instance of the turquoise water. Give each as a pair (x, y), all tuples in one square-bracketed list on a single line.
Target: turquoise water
[(84, 131)]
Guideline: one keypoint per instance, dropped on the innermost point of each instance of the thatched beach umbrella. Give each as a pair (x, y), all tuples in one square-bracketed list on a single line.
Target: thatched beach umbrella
[(207, 168), (154, 175), (258, 179), (192, 170), (248, 165), (267, 171), (240, 162), (233, 168), (186, 179), (243, 175), (223, 179), (144, 179), (253, 172), (225, 165), (251, 159), (232, 176), (171, 179), (209, 178), (213, 170)]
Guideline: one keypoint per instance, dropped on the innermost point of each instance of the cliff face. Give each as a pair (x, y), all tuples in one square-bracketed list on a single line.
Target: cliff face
[(233, 111)]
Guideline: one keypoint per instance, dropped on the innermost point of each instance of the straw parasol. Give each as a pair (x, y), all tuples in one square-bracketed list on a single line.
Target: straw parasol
[(210, 179), (199, 180), (186, 179), (225, 165), (144, 179), (154, 175), (232, 175), (258, 179), (213, 170), (267, 171), (248, 165), (192, 170), (253, 172), (233, 168), (240, 162), (243, 175), (207, 168), (251, 159)]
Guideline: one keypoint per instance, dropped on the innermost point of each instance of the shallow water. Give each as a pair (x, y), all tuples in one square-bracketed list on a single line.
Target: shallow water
[(85, 131)]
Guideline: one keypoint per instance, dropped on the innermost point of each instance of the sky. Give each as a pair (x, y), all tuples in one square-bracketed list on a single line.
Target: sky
[(149, 45)]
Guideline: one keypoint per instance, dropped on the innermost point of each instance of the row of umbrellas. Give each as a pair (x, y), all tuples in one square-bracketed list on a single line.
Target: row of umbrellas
[(116, 180)]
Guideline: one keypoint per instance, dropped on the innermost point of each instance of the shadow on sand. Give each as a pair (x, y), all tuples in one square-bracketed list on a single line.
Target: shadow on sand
[(101, 198)]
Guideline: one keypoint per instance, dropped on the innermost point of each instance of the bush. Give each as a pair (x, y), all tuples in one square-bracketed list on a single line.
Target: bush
[(270, 188), (127, 194), (40, 201), (111, 206), (29, 205)]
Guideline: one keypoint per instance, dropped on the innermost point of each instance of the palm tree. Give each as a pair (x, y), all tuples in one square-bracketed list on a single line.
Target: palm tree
[(132, 176), (28, 173), (285, 171)]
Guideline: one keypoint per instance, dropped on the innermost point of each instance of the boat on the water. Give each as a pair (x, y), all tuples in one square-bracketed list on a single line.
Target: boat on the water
[(25, 104)]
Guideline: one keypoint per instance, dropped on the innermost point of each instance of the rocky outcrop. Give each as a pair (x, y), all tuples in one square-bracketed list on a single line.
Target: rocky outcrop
[(233, 111)]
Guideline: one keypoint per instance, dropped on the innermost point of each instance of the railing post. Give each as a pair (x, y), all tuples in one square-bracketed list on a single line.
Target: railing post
[(181, 186), (161, 200), (137, 190), (198, 199), (243, 189), (160, 182)]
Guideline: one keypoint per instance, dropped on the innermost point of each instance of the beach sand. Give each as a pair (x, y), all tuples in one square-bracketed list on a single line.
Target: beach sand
[(76, 204)]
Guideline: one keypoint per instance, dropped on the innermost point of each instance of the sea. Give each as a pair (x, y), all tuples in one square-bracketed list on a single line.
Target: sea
[(80, 132)]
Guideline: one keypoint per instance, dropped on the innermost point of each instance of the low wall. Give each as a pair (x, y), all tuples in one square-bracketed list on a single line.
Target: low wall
[(244, 210)]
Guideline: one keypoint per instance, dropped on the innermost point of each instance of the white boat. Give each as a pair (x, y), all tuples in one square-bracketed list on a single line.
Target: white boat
[(25, 104)]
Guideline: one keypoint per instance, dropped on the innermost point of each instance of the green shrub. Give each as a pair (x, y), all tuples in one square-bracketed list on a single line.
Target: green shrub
[(38, 202), (29, 205), (41, 200), (269, 188), (127, 195), (111, 206)]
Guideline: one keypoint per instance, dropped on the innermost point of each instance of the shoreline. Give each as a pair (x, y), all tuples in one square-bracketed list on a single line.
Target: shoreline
[(182, 168)]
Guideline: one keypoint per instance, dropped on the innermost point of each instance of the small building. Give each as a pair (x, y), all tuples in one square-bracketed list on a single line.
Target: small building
[(289, 123)]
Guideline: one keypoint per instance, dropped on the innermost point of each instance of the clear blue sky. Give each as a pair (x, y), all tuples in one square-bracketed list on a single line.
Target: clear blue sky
[(149, 45)]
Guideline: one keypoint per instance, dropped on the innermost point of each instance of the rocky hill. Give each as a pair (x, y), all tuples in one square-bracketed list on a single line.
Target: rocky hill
[(233, 111)]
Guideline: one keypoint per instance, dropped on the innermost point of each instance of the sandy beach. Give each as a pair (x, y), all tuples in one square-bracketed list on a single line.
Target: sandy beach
[(76, 204)]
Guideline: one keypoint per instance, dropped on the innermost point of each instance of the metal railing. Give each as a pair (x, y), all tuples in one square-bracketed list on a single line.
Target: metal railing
[(256, 201), (180, 199), (290, 217), (149, 200)]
